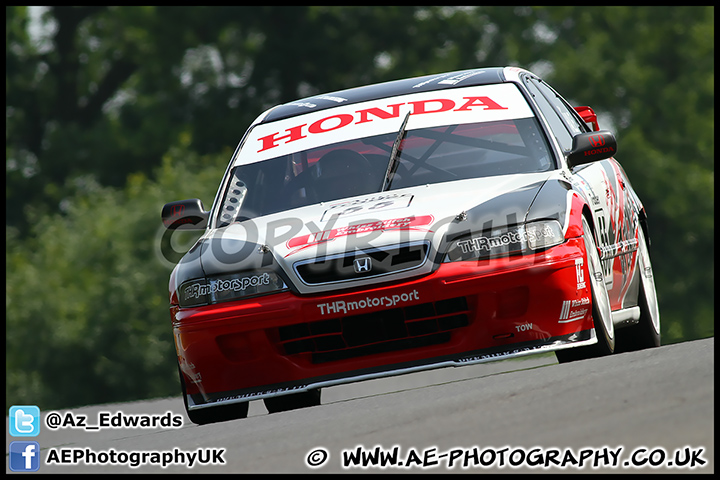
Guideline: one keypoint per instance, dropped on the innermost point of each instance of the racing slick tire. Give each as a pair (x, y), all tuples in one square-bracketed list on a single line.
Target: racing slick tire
[(645, 333), (602, 315), (283, 403), (222, 413)]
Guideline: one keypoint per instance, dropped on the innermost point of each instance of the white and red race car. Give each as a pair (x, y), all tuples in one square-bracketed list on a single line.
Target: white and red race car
[(437, 221)]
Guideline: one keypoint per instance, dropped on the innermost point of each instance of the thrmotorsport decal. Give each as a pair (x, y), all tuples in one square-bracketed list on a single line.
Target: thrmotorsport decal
[(197, 290), (345, 307), (478, 244)]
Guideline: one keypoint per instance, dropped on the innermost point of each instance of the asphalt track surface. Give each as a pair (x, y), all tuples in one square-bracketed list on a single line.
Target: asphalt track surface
[(629, 413)]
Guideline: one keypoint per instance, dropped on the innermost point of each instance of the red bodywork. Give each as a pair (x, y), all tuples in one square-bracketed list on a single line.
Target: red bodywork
[(264, 345)]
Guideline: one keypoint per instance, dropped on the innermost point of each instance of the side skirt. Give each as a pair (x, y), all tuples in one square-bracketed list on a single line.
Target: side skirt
[(626, 317)]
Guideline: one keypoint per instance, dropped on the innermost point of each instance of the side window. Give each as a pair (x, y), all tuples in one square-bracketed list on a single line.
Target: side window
[(558, 127), (561, 107)]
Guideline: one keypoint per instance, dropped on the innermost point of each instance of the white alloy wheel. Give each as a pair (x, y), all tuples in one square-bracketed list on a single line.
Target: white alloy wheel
[(650, 307), (646, 332)]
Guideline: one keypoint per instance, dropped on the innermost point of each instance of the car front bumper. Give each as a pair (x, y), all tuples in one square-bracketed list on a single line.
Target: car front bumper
[(462, 313)]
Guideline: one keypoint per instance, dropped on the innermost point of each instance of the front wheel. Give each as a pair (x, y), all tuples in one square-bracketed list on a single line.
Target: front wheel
[(645, 333), (601, 312)]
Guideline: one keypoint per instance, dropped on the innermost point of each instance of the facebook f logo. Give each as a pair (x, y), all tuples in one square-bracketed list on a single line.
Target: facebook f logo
[(24, 421), (24, 456)]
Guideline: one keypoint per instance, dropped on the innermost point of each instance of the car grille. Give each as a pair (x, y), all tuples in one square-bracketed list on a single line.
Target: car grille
[(379, 332), (372, 263)]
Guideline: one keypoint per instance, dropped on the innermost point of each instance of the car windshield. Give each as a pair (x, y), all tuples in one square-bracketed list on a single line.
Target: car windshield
[(359, 166)]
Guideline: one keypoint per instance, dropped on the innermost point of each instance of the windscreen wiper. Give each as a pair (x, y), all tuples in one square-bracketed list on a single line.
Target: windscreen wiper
[(392, 162)]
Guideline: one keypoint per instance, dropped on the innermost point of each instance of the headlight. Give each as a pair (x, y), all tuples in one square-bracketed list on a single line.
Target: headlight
[(504, 241), (229, 287)]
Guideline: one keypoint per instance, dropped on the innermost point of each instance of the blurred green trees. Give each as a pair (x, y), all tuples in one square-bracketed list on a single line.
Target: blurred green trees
[(86, 293), (113, 111)]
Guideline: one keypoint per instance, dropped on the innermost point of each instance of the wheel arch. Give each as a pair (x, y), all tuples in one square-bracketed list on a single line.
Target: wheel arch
[(587, 214)]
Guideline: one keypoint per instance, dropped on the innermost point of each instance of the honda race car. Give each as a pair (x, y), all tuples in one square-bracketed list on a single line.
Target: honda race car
[(437, 221)]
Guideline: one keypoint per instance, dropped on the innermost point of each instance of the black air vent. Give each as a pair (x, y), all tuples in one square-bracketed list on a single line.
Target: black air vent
[(378, 332)]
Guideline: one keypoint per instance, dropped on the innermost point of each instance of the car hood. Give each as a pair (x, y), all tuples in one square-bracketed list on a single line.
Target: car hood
[(404, 233)]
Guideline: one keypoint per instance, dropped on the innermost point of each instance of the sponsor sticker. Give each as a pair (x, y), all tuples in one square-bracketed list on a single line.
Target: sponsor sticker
[(302, 242), (347, 306), (376, 117), (367, 206), (513, 237), (197, 290), (580, 273), (569, 311)]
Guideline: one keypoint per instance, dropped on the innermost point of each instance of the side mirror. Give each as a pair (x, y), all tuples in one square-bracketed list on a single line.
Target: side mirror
[(591, 147), (185, 215)]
